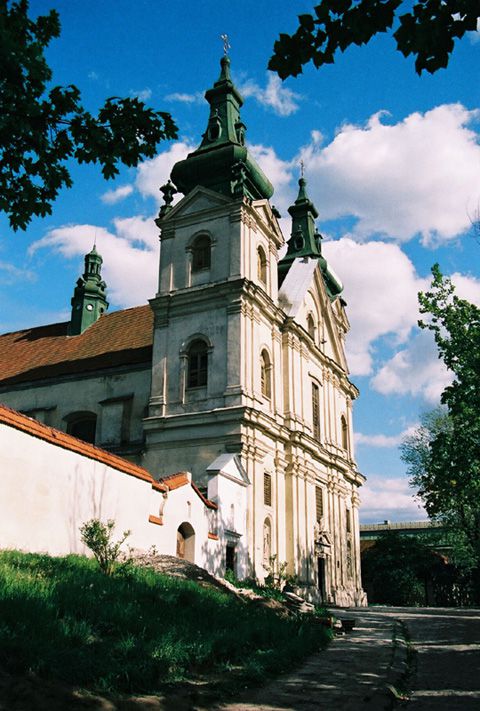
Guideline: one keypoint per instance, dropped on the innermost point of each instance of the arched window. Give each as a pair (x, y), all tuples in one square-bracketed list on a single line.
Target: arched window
[(82, 425), (344, 426), (197, 371), (201, 249), (311, 326), (265, 374), (261, 266)]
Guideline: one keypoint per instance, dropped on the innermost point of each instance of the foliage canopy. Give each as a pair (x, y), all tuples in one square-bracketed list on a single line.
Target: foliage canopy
[(41, 129), (444, 455), (427, 30)]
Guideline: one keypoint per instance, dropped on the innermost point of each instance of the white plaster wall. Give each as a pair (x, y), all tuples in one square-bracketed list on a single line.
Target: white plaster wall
[(47, 493)]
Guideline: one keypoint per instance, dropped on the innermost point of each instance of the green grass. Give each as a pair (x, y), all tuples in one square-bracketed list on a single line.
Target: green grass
[(136, 630)]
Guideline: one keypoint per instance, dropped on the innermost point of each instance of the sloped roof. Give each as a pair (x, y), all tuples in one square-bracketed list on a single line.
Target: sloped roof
[(119, 338), (15, 419)]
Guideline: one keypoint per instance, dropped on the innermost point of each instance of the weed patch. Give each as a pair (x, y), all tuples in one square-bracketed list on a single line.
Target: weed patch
[(137, 629)]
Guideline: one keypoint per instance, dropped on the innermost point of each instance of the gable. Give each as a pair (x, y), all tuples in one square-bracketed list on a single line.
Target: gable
[(197, 200)]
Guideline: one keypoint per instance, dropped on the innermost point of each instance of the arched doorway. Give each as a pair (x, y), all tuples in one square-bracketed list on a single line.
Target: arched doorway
[(186, 542)]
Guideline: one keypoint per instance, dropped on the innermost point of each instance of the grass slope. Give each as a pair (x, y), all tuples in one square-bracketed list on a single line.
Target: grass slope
[(137, 630)]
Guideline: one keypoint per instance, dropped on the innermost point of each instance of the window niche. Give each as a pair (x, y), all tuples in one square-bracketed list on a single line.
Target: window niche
[(311, 326), (344, 432), (201, 253), (197, 364), (265, 375), (262, 266), (82, 425)]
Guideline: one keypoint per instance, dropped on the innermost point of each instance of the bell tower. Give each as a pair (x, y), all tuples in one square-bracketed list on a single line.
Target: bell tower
[(89, 298)]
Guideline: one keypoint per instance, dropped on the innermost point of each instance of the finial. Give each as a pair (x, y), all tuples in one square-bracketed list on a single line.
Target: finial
[(302, 168), (226, 44)]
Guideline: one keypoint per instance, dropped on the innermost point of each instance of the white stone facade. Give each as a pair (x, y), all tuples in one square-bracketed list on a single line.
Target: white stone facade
[(242, 319)]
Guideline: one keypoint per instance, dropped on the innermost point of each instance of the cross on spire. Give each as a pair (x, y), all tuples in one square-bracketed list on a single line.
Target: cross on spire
[(226, 44)]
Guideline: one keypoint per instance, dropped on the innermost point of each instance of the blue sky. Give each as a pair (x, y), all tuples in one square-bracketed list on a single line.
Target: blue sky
[(392, 162)]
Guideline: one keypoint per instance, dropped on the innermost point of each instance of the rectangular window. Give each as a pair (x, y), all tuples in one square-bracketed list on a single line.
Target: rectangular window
[(267, 489), (316, 411), (349, 521), (318, 503)]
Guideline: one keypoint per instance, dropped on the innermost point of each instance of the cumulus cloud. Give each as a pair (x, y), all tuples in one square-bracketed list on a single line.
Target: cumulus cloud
[(111, 197), (383, 441), (151, 174), (381, 287), (130, 255), (275, 96), (419, 176), (414, 370), (383, 498), (417, 369)]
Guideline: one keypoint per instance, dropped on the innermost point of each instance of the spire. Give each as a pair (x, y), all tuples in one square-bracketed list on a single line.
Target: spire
[(305, 241), (222, 161), (89, 298)]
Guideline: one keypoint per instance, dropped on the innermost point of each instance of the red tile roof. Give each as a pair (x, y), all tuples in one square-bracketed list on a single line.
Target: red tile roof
[(119, 338), (15, 419), (26, 424)]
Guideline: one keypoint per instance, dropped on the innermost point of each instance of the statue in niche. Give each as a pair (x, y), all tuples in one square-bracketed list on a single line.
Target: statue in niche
[(267, 542)]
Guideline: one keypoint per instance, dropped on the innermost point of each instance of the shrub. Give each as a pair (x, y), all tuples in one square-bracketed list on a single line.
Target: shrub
[(97, 536)]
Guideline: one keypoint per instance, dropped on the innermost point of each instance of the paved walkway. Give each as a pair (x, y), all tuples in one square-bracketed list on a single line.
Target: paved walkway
[(352, 674), (445, 674)]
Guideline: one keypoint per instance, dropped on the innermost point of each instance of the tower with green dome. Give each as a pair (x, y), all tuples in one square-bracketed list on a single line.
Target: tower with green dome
[(89, 298)]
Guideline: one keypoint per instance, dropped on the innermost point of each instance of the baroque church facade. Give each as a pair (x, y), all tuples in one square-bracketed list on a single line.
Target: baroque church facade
[(236, 368)]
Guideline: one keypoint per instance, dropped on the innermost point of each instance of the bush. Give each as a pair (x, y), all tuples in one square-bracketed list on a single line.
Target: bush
[(97, 536)]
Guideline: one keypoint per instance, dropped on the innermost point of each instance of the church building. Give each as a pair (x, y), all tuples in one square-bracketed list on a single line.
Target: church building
[(235, 372)]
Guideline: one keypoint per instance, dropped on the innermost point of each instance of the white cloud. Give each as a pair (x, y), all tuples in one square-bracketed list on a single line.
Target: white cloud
[(10, 274), (381, 287), (383, 441), (142, 94), (196, 98), (467, 287), (275, 96), (418, 176), (151, 174), (417, 369), (414, 370), (130, 255), (392, 499), (111, 197)]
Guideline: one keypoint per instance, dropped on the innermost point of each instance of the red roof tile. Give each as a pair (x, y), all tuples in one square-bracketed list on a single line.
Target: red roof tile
[(26, 424), (118, 338)]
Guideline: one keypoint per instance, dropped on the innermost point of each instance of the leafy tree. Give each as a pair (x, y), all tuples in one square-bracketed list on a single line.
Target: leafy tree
[(444, 455), (396, 570), (427, 30), (41, 129)]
